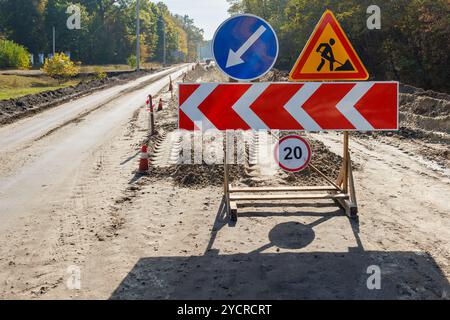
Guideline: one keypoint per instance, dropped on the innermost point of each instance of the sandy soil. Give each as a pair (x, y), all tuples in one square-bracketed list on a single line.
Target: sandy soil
[(154, 237)]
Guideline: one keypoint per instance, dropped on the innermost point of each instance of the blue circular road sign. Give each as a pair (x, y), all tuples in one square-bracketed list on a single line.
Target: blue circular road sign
[(245, 47)]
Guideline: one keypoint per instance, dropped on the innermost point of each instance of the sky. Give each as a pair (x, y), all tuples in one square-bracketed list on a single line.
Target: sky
[(207, 14)]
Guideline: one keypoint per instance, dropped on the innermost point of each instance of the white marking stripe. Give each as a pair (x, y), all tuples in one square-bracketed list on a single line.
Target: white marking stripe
[(294, 107), (347, 106), (242, 106), (190, 106)]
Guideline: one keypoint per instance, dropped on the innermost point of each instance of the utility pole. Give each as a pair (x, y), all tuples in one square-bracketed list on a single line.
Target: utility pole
[(54, 41), (138, 36), (164, 41)]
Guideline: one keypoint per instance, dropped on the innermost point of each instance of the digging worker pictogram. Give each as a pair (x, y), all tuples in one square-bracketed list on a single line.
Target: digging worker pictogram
[(326, 51)]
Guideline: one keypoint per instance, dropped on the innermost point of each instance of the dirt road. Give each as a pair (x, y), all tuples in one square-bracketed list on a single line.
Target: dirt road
[(72, 201), (41, 153)]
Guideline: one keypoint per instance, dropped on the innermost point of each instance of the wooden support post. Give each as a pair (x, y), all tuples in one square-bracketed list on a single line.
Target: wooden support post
[(233, 211), (346, 180), (340, 178), (324, 176), (345, 166), (298, 196), (231, 205), (282, 189), (231, 208), (354, 203), (225, 170)]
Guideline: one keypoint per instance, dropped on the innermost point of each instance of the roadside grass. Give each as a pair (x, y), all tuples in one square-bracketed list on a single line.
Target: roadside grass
[(105, 68), (117, 67), (15, 86)]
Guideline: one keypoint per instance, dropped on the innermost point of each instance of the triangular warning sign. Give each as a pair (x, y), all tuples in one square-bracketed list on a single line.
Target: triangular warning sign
[(328, 55)]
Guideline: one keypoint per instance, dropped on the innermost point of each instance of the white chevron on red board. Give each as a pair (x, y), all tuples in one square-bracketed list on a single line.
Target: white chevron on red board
[(311, 106)]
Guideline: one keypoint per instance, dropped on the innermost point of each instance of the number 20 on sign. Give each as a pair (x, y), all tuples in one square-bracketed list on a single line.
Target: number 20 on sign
[(293, 153)]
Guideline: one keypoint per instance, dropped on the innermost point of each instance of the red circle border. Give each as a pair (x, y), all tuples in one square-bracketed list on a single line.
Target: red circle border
[(277, 149)]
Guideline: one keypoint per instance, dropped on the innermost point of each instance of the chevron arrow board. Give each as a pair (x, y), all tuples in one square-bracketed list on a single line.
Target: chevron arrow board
[(312, 106)]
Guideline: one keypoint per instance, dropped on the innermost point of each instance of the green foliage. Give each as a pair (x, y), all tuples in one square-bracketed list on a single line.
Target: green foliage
[(13, 55), (193, 35), (108, 29), (412, 45), (100, 74), (132, 61), (60, 67), (22, 22)]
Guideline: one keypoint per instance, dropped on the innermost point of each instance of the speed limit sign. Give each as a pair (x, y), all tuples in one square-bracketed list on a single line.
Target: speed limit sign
[(293, 153)]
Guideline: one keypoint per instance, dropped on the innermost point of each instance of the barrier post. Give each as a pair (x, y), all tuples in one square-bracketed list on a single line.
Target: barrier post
[(171, 88), (151, 124)]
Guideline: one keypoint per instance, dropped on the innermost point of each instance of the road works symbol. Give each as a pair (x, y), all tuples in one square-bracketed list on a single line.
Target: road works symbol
[(293, 153), (245, 47), (328, 55)]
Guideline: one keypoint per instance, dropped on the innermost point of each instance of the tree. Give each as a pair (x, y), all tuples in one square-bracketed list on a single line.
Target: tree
[(60, 67), (75, 41), (412, 45), (108, 29), (22, 22), (13, 55)]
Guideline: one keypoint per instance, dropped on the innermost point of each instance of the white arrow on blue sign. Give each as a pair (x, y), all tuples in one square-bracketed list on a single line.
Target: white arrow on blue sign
[(245, 47)]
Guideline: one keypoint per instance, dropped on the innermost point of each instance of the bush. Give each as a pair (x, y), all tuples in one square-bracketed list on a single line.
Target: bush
[(60, 67), (100, 74), (13, 55), (132, 61)]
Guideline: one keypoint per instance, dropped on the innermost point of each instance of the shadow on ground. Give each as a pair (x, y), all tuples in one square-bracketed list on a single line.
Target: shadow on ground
[(293, 275)]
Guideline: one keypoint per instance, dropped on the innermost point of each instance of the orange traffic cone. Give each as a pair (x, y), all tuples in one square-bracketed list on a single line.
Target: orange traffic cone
[(160, 104), (143, 162)]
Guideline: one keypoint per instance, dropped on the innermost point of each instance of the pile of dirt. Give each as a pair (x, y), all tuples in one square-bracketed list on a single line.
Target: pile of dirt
[(202, 175), (424, 115), (276, 75), (198, 176), (407, 89), (425, 103), (426, 111), (323, 159), (13, 109), (202, 73), (197, 72)]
